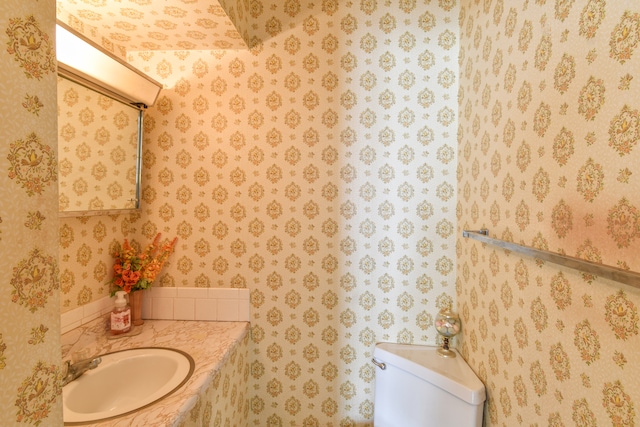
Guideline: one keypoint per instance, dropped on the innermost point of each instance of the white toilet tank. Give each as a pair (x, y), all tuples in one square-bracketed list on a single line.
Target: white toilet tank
[(419, 388)]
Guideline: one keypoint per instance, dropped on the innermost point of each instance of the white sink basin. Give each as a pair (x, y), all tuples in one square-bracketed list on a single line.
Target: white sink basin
[(124, 382)]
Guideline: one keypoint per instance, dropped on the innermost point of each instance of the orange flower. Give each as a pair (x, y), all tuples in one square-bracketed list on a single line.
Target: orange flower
[(135, 271)]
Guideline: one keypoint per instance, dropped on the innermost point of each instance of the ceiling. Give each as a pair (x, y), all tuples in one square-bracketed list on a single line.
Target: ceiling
[(144, 25)]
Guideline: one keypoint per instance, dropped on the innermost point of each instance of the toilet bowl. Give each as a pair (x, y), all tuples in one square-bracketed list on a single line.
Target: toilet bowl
[(416, 387)]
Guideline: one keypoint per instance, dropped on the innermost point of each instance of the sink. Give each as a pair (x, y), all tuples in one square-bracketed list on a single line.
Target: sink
[(125, 382)]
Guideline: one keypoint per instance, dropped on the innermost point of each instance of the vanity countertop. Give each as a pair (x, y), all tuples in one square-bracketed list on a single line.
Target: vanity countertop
[(209, 343)]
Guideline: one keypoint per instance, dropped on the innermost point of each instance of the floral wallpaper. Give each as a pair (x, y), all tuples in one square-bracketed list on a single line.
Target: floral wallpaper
[(332, 167), (304, 170), (316, 169), (224, 402), (29, 313), (146, 25), (547, 157), (87, 245)]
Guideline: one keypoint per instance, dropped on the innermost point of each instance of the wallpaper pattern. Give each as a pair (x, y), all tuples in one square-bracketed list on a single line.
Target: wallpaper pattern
[(224, 402), (316, 169), (304, 170), (147, 25), (548, 158), (29, 306)]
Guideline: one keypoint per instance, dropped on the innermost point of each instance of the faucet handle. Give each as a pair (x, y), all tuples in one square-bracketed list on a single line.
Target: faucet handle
[(95, 362), (74, 370)]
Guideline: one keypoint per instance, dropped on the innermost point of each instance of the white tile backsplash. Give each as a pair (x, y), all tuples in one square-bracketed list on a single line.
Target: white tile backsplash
[(162, 308), (194, 293), (184, 309), (243, 309), (207, 304), (207, 309), (163, 292), (228, 309), (223, 293)]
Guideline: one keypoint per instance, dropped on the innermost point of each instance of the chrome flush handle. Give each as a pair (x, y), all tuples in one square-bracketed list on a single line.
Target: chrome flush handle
[(380, 365)]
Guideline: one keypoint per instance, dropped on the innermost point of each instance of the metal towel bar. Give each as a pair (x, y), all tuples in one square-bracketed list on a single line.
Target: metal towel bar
[(613, 273)]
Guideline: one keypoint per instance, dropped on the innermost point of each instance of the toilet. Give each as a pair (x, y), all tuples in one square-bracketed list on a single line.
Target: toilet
[(416, 387)]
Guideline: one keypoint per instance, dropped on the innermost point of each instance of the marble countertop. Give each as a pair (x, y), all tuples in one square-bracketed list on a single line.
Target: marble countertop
[(209, 343)]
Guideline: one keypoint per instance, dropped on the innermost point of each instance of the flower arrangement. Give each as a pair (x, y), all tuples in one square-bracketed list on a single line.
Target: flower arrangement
[(135, 271)]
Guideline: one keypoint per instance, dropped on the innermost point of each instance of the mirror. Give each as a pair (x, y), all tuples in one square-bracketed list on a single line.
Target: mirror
[(99, 151)]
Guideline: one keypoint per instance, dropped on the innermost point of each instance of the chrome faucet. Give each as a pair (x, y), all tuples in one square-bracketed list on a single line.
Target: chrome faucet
[(76, 369)]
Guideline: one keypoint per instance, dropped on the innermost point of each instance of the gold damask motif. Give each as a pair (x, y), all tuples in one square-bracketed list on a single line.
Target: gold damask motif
[(618, 404), (33, 164), (591, 17), (34, 280), (31, 47), (38, 393), (624, 130), (622, 316), (590, 180), (623, 223), (582, 415), (625, 37)]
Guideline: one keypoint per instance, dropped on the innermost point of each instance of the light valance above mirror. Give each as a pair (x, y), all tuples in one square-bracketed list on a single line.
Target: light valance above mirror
[(85, 62)]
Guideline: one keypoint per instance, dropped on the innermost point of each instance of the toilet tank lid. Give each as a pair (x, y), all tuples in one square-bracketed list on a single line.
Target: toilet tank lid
[(450, 374)]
